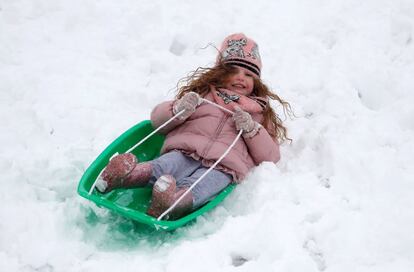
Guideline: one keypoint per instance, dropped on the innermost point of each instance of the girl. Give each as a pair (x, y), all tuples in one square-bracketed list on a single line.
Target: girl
[(202, 133)]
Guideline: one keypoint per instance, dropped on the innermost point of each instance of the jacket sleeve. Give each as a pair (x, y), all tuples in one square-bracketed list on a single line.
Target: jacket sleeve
[(161, 114), (262, 147)]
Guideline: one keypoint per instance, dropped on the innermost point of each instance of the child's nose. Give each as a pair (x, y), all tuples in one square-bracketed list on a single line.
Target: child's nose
[(240, 76)]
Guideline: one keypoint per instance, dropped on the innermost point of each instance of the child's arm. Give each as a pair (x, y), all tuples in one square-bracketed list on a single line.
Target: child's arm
[(262, 147), (259, 142), (161, 114), (164, 111)]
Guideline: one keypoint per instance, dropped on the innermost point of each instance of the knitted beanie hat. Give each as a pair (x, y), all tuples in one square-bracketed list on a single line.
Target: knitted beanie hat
[(237, 49)]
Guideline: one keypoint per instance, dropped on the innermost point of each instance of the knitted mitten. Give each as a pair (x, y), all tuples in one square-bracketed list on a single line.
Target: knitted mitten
[(244, 121), (188, 103)]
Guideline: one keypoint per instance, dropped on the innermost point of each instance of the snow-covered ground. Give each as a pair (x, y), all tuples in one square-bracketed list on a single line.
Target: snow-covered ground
[(75, 74)]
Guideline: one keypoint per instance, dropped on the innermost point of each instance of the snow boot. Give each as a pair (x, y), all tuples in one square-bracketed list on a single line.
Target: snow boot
[(164, 195), (123, 171)]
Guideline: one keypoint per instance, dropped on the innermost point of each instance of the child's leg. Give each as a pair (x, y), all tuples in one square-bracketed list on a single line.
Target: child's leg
[(166, 191), (166, 170), (165, 194), (173, 163), (210, 186), (124, 171)]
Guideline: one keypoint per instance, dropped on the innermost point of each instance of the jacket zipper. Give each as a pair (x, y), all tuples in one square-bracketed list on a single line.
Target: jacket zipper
[(216, 133)]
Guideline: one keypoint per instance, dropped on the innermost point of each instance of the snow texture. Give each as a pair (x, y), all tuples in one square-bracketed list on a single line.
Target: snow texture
[(163, 183), (75, 74)]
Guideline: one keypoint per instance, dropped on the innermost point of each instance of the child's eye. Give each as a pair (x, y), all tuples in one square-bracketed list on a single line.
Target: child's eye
[(248, 74)]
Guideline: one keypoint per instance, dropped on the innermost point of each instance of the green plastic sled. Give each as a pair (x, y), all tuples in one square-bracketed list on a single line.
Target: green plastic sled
[(133, 203)]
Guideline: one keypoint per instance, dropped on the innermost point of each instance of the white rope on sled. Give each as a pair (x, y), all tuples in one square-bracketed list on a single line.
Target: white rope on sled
[(138, 144), (217, 105), (202, 176), (211, 167)]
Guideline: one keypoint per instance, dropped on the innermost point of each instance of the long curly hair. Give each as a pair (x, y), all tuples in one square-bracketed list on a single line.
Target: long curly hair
[(201, 79)]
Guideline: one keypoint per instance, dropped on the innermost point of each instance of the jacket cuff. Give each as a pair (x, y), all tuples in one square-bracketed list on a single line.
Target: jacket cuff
[(254, 131)]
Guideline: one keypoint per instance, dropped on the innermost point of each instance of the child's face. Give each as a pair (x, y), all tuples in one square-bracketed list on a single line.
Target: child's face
[(240, 82)]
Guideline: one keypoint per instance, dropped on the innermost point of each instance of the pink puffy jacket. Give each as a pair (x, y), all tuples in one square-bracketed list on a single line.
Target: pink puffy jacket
[(208, 132)]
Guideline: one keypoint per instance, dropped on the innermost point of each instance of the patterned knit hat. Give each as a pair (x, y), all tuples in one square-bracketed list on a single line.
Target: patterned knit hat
[(239, 50)]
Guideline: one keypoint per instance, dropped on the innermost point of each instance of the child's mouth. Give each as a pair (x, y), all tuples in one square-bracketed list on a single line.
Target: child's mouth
[(239, 86)]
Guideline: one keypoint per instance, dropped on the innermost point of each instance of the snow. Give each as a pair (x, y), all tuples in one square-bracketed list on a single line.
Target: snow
[(163, 184), (75, 74)]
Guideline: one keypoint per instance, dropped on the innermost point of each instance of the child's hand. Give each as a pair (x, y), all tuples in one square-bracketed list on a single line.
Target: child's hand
[(244, 121), (188, 103)]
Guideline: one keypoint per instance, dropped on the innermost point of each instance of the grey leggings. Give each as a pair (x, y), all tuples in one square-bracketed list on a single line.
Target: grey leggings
[(186, 171)]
